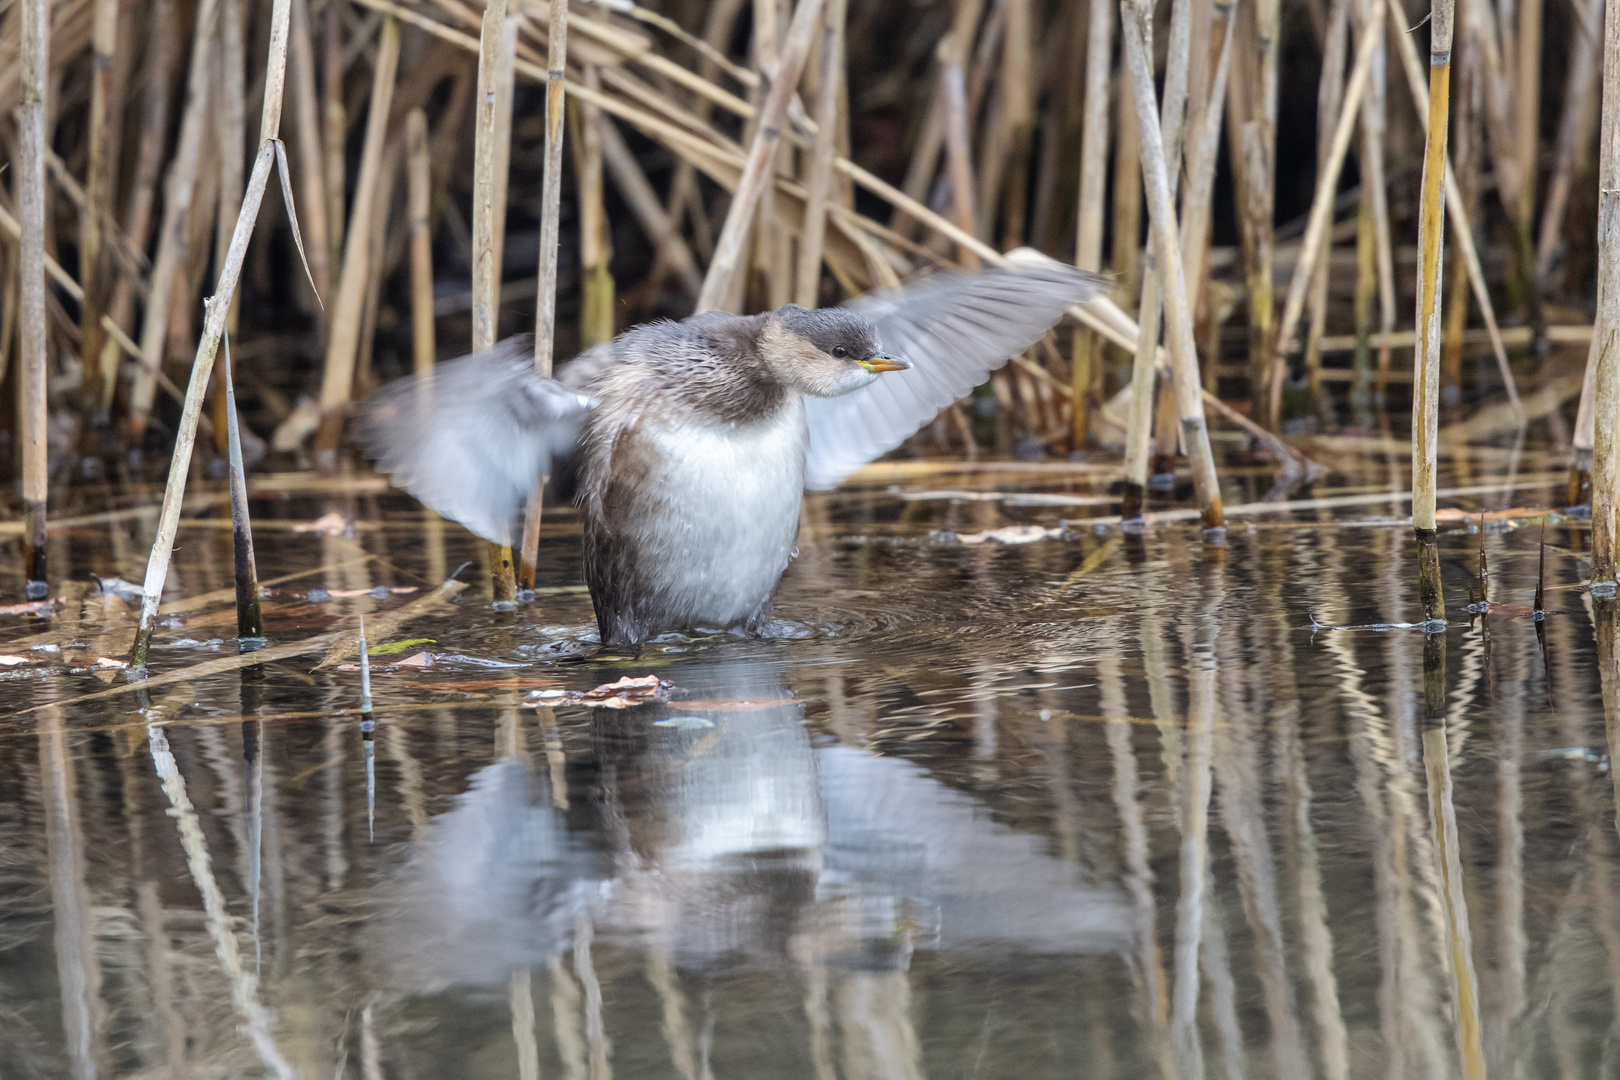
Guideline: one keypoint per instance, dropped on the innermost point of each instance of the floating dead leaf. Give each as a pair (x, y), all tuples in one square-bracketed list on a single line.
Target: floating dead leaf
[(419, 660), (381, 592), (627, 693), (1010, 534), (1514, 513), (43, 608), (739, 705), (108, 663), (333, 524), (13, 661)]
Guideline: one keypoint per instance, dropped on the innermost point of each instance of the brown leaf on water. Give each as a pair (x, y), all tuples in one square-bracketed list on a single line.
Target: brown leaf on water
[(43, 608), (723, 705), (332, 524), (108, 663), (1452, 513), (418, 660), (627, 693)]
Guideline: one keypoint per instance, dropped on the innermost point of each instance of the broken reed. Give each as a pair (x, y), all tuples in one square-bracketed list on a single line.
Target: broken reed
[(1426, 355)]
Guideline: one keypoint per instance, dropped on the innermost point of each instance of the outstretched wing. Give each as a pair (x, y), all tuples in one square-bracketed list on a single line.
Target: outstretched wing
[(955, 329), (474, 439)]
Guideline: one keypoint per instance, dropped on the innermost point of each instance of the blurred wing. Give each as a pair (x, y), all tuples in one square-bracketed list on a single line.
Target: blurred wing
[(474, 439), (955, 329)]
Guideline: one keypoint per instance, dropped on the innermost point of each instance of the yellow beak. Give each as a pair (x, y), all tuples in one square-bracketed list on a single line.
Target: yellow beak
[(880, 362)]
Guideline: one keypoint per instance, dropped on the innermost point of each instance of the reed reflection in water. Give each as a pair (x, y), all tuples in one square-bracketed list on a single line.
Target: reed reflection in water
[(1101, 806)]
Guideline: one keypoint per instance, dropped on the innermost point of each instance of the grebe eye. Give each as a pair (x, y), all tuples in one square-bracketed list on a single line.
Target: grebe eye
[(840, 352)]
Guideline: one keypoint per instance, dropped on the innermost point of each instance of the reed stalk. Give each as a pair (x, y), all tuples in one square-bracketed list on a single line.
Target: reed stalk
[(545, 315), (249, 620), (596, 324), (154, 128), (1321, 218), (343, 339), (1329, 95), (634, 187), (1127, 213), (958, 153), (1162, 218), (31, 326), (335, 130), (179, 188), (1606, 335), (1574, 130), (1203, 143), (419, 183), (492, 134), (1456, 211), (720, 283), (1252, 143), (1089, 214), (1138, 434), (311, 157), (818, 171), (107, 79), (1426, 357)]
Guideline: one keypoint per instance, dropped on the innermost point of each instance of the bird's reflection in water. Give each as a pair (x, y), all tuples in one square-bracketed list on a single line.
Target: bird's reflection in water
[(728, 839)]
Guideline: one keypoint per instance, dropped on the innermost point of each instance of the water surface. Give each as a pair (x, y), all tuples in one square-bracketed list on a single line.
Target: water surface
[(1102, 804)]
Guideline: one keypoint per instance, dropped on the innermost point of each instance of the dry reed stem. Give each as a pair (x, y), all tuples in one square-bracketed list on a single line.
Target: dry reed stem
[(1431, 235), (343, 340), (31, 327), (1606, 337), (545, 315), (148, 164), (230, 127), (1456, 210), (1321, 217), (1329, 97), (1574, 129), (311, 154), (335, 129), (1127, 212), (492, 121), (1527, 102), (217, 307), (1162, 218), (595, 239), (1374, 111), (492, 146), (637, 191), (958, 153), (1172, 110), (1202, 147), (721, 281), (1093, 184), (419, 181), (180, 187), (818, 172), (107, 77)]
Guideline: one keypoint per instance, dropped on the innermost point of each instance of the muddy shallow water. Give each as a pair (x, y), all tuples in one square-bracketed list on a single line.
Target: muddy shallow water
[(1094, 805)]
